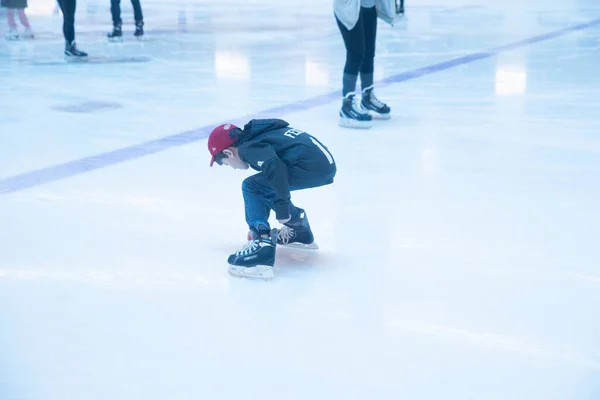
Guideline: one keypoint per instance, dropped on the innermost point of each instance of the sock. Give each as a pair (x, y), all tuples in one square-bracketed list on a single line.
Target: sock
[(349, 83), (366, 80)]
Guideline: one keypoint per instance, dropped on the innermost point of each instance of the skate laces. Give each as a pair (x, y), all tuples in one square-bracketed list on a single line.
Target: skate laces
[(374, 100), (356, 106), (286, 234), (354, 103), (248, 248)]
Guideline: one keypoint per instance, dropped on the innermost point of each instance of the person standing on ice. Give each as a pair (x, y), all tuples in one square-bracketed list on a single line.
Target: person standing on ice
[(19, 6), (287, 159), (117, 33), (68, 8), (357, 21)]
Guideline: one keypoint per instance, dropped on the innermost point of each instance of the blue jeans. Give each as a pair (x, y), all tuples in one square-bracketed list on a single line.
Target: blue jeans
[(259, 197)]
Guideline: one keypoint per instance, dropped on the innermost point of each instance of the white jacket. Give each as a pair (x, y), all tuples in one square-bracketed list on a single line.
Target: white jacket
[(347, 11)]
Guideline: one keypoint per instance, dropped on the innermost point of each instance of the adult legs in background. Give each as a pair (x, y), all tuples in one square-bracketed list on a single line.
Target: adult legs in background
[(369, 101), (115, 8), (115, 11), (351, 115), (137, 11), (68, 8), (10, 14), (354, 41), (13, 33), (369, 31)]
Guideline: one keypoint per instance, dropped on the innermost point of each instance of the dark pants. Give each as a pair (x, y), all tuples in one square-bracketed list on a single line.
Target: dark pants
[(360, 49), (115, 9), (68, 10), (259, 195)]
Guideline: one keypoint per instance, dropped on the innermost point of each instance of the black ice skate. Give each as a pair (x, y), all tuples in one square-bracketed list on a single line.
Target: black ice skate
[(297, 234), (373, 106), (139, 30), (255, 259), (352, 116), (73, 54), (116, 35)]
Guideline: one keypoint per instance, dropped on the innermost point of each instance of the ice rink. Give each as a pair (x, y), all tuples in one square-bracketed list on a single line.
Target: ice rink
[(459, 245)]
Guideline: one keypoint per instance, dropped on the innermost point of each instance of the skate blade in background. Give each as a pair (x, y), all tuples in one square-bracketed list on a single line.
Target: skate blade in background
[(300, 246), (264, 272)]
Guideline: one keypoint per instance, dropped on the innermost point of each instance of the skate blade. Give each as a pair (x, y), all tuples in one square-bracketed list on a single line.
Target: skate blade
[(376, 115), (300, 246), (264, 272), (354, 124), (76, 59), (115, 40)]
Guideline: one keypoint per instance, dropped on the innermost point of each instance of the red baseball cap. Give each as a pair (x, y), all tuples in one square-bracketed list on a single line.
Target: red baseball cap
[(219, 139)]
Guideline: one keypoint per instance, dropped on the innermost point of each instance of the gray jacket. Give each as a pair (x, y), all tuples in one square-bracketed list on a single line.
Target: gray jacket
[(347, 11)]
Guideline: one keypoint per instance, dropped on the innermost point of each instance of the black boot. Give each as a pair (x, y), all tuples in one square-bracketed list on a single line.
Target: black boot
[(116, 35), (139, 29), (351, 114), (374, 107), (256, 259), (296, 233), (73, 54)]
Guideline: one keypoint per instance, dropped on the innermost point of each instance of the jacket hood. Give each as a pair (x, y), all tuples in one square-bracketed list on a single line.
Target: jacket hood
[(258, 126)]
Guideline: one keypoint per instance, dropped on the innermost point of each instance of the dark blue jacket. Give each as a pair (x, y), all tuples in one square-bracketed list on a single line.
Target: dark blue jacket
[(287, 157)]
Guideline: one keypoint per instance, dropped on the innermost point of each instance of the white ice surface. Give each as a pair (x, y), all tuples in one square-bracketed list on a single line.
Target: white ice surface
[(459, 243)]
